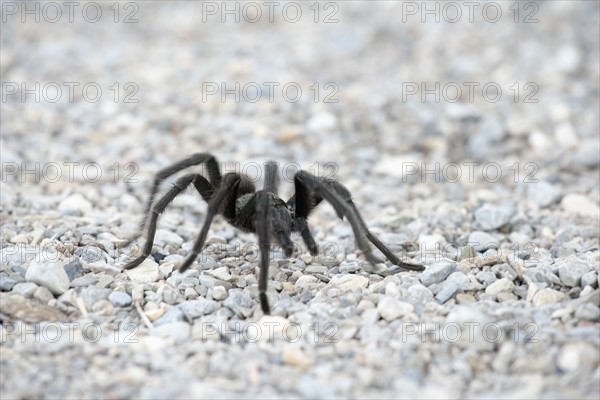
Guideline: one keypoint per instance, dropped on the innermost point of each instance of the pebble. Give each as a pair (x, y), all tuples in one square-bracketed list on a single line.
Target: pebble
[(455, 283), (589, 279), (482, 241), (164, 237), (74, 270), (547, 297), (49, 274), (578, 204), (501, 285), (173, 314), (295, 357), (120, 299), (348, 282), (543, 193), (6, 283), (178, 331), (570, 272), (146, 272), (588, 311), (221, 273), (321, 122), (193, 309), (316, 269), (490, 217), (75, 204), (93, 294), (391, 309), (25, 289), (43, 294), (577, 356), (437, 272), (219, 293), (419, 294)]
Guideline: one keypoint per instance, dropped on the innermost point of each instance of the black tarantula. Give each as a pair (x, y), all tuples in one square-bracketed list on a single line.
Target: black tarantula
[(261, 212)]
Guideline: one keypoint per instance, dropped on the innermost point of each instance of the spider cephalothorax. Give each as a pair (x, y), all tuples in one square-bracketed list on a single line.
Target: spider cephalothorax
[(262, 212)]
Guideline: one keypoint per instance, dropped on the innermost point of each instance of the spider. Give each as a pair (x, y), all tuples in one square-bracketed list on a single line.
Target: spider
[(262, 212)]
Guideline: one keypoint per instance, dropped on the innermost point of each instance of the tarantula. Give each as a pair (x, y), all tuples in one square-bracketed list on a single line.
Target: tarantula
[(261, 212)]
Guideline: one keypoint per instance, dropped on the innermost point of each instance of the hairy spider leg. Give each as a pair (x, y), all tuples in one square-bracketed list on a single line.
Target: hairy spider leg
[(263, 208), (271, 177), (179, 186), (341, 199), (346, 195), (229, 188), (214, 176)]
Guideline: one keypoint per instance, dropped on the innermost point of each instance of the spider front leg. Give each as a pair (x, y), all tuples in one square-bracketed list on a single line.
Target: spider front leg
[(179, 186), (263, 208), (195, 159), (341, 200), (227, 190)]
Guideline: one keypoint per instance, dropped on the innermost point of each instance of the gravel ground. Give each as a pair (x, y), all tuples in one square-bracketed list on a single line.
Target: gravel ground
[(496, 191)]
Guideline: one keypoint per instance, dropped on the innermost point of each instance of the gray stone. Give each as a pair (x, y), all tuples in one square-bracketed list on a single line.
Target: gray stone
[(391, 309), (505, 271), (462, 281), (482, 241), (120, 299), (316, 269), (589, 279), (419, 294), (25, 289), (348, 282), (570, 272), (588, 311), (49, 274), (92, 295), (75, 204), (221, 273), (172, 315), (578, 356), (348, 267), (578, 204), (6, 283), (178, 331), (543, 193), (164, 237), (74, 270), (547, 297), (490, 217), (193, 309), (219, 293), (486, 277), (437, 272), (146, 272), (448, 291), (501, 285), (43, 294)]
